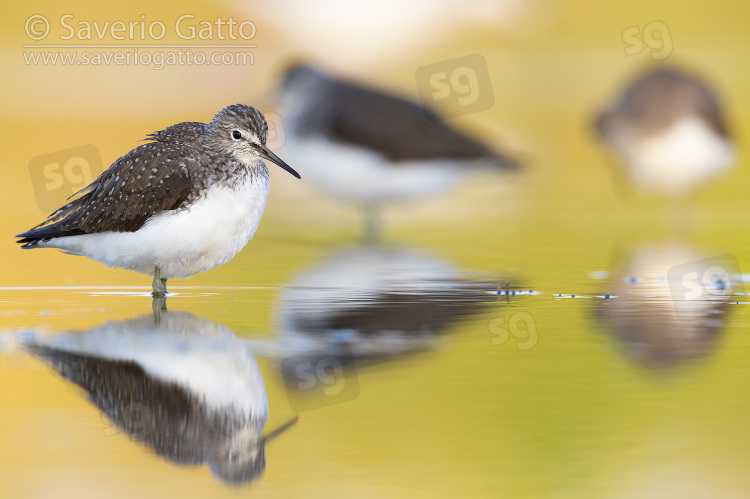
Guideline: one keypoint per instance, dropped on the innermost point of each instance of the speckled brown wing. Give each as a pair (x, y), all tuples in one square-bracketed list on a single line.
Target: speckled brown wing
[(151, 178)]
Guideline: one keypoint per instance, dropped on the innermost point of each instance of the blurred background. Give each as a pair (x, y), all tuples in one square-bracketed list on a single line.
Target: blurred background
[(610, 400)]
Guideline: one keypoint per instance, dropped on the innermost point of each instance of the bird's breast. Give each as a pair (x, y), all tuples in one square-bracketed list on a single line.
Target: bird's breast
[(208, 232), (230, 211)]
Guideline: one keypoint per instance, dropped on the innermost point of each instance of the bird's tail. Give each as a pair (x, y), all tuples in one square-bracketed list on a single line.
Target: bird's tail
[(503, 162), (30, 242)]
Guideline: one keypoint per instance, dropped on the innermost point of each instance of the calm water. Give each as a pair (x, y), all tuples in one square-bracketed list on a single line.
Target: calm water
[(409, 372)]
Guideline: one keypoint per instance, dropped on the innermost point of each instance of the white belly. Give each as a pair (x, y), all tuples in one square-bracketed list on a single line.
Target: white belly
[(183, 242), (680, 158), (358, 174)]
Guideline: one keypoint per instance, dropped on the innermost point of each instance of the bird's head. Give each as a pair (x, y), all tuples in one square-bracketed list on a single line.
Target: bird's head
[(302, 90), (241, 458), (299, 77), (243, 130)]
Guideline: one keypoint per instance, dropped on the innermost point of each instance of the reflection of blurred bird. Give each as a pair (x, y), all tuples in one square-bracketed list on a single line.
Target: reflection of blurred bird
[(185, 387), (659, 325), (670, 131), (364, 145), (374, 304)]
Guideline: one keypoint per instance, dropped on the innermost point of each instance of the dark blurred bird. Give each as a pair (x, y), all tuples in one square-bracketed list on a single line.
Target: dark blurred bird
[(186, 202), (669, 130), (368, 146)]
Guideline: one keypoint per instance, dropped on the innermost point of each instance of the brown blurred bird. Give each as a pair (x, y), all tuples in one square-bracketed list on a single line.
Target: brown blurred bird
[(368, 146), (669, 130)]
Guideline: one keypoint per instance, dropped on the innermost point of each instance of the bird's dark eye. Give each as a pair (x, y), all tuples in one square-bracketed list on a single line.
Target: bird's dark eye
[(234, 456), (236, 135)]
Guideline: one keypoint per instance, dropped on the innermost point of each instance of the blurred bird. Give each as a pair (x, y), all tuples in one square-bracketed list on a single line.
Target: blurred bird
[(186, 202), (364, 145), (353, 33), (670, 131)]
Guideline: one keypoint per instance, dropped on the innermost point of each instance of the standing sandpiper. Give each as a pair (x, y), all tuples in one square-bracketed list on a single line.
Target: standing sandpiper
[(669, 130), (186, 202), (367, 146)]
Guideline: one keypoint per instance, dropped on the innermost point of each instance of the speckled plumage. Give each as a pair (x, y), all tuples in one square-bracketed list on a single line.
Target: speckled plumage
[(191, 177), (165, 174)]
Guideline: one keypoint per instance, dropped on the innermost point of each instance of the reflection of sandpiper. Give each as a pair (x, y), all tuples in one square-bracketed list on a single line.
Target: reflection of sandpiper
[(185, 388), (669, 130), (658, 326), (367, 146)]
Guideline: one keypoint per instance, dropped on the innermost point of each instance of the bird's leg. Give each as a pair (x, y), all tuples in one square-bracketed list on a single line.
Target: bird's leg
[(681, 216), (158, 304), (372, 223), (159, 285)]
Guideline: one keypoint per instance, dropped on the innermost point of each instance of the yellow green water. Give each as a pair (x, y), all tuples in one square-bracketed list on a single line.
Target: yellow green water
[(576, 415)]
